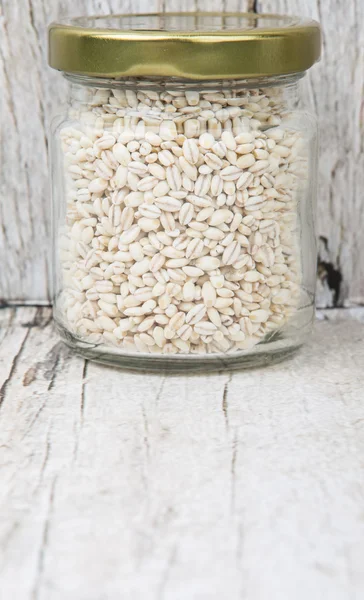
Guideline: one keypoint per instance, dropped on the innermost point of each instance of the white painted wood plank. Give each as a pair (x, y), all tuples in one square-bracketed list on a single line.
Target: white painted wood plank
[(39, 446), (335, 88), (243, 486), (32, 94)]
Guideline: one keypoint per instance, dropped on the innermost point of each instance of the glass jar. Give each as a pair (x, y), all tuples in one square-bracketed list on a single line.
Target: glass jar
[(184, 184)]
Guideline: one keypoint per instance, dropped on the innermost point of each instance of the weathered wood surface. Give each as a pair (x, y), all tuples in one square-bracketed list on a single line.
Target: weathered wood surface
[(31, 93), (143, 487)]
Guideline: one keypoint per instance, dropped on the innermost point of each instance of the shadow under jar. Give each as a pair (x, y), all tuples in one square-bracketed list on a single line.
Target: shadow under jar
[(184, 182)]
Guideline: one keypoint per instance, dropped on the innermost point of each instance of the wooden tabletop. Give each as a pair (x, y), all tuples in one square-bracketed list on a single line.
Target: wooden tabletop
[(127, 486)]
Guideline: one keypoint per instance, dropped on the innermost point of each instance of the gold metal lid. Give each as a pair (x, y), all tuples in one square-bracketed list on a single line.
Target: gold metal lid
[(185, 45)]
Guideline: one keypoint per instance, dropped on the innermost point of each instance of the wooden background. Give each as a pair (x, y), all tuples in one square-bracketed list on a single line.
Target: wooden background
[(31, 93)]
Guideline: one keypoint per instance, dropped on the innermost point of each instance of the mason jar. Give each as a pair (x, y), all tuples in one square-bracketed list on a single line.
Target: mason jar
[(184, 185)]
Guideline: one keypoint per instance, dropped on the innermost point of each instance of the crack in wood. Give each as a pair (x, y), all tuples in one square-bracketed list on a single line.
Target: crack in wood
[(46, 455), (328, 273), (82, 409), (52, 371), (253, 6), (160, 391), (35, 418), (14, 364), (144, 471), (233, 472), (225, 406), (83, 391), (51, 363), (44, 543), (3, 302), (45, 460), (28, 191), (42, 318), (42, 111), (48, 366), (7, 326)]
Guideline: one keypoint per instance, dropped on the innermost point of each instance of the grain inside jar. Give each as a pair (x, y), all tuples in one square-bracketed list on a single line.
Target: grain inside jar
[(181, 218)]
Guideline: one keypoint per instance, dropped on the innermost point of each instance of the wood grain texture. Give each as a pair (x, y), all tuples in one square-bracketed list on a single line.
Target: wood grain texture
[(246, 486), (335, 90), (31, 93)]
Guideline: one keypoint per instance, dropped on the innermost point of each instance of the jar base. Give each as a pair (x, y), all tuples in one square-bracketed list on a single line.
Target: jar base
[(264, 354)]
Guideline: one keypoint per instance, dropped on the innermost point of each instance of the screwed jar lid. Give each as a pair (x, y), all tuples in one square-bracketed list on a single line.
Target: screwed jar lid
[(185, 45)]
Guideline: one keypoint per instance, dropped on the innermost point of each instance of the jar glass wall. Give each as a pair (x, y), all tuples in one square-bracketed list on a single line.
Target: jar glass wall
[(184, 219), (183, 216)]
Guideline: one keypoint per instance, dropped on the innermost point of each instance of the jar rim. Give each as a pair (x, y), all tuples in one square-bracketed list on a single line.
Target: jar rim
[(200, 46)]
